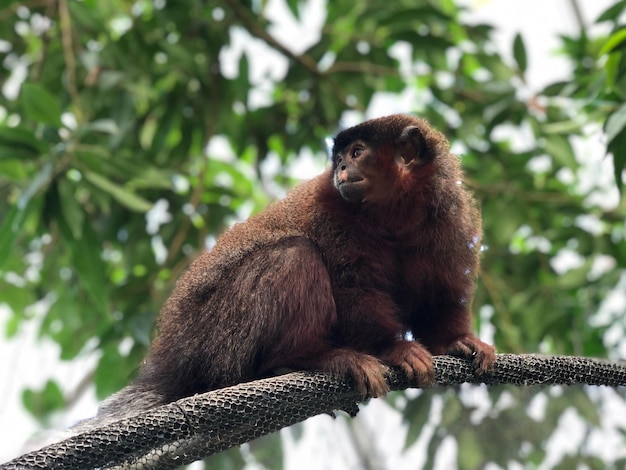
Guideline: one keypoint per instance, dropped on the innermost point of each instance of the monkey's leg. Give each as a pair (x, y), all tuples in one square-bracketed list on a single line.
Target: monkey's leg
[(297, 308)]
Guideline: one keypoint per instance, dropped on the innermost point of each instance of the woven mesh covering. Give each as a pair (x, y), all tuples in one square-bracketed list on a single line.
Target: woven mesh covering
[(195, 427)]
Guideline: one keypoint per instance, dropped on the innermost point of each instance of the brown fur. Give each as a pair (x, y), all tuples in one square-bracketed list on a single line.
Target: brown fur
[(321, 281)]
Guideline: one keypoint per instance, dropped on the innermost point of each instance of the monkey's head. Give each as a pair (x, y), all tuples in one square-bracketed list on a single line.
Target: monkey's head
[(375, 161)]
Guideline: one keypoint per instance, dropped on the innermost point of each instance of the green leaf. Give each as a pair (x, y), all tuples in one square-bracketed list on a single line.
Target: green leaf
[(107, 383), (412, 16), (560, 148), (19, 142), (17, 214), (73, 212), (125, 197), (616, 123), (9, 230), (293, 7), (470, 452), (421, 43), (618, 148), (416, 414), (40, 105), (104, 126), (161, 133), (452, 411), (614, 42), (18, 299), (87, 259), (15, 153), (16, 136), (13, 170), (519, 53), (554, 89), (612, 13), (568, 127), (12, 326), (67, 324), (228, 460), (268, 451), (575, 278), (43, 402)]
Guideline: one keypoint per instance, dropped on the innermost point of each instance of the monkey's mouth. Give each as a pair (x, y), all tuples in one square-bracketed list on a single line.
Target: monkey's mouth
[(343, 178), (348, 184), (348, 181), (351, 189)]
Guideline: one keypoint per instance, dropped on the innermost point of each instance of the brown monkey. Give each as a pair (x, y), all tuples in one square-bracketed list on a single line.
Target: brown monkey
[(332, 278)]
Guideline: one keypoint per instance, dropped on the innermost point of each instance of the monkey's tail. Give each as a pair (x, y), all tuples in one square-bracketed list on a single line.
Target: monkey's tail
[(130, 401)]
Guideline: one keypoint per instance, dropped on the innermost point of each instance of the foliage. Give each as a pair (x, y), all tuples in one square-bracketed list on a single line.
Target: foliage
[(132, 133)]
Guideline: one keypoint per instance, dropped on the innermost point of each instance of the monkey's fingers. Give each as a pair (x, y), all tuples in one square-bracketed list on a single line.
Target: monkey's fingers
[(369, 377), (367, 372), (482, 355), (414, 359)]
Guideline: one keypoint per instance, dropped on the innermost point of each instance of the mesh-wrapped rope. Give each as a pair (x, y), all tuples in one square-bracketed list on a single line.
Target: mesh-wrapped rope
[(198, 426)]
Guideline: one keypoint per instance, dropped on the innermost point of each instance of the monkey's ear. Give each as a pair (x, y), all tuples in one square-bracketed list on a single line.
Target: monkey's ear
[(412, 149)]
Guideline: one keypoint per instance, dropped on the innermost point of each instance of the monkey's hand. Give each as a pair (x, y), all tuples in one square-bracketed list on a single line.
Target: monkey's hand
[(367, 371), (470, 347), (413, 358)]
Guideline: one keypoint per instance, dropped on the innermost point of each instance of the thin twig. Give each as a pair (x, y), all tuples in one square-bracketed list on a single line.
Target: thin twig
[(68, 55), (578, 14)]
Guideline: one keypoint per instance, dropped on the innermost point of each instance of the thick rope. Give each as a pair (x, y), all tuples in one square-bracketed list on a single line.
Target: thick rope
[(196, 427)]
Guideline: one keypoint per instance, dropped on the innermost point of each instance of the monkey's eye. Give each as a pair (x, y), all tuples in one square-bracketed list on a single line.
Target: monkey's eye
[(357, 151)]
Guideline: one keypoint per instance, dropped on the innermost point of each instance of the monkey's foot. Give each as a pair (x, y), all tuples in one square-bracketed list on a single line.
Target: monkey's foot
[(413, 358), (469, 347)]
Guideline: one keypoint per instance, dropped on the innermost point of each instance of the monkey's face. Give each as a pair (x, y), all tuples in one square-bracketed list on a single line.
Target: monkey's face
[(353, 171), (373, 164)]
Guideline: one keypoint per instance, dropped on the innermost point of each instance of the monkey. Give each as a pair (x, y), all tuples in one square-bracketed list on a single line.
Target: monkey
[(368, 265)]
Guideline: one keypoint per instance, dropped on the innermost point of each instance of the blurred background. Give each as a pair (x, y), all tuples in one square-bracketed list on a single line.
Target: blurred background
[(132, 133)]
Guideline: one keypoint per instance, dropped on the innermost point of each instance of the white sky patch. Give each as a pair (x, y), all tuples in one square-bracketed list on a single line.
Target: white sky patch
[(19, 72), (540, 164), (571, 425), (536, 409), (521, 137), (223, 179), (219, 149), (181, 184), (296, 35), (121, 25), (566, 260), (158, 215), (602, 264), (590, 223), (159, 249), (307, 165), (69, 120)]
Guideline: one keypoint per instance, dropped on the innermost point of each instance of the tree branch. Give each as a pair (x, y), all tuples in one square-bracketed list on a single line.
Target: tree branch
[(196, 427), (578, 14), (242, 13)]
